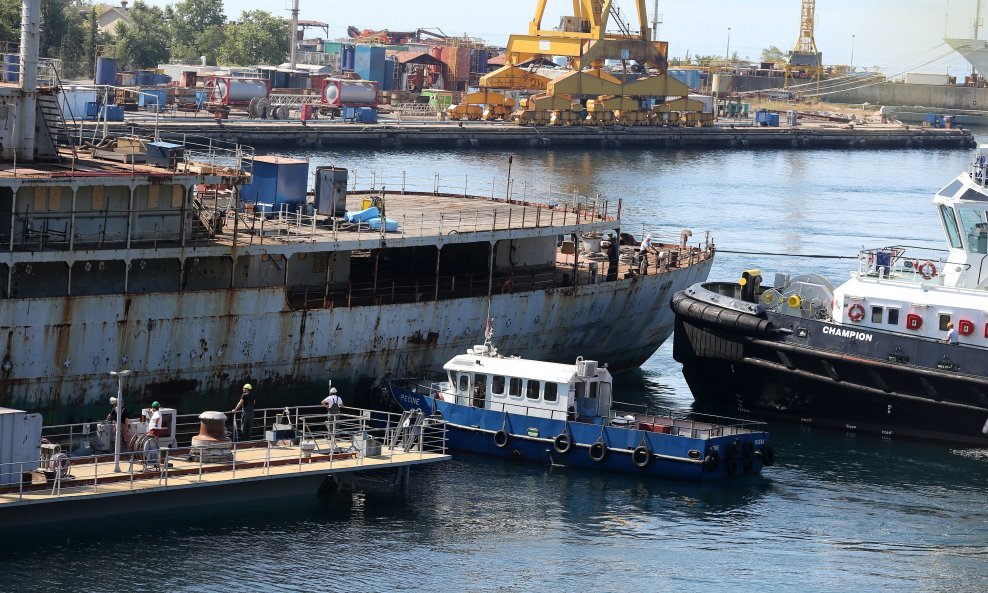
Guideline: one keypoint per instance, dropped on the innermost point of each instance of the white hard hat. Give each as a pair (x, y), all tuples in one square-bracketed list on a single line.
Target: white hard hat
[(113, 400), (648, 236), (332, 390)]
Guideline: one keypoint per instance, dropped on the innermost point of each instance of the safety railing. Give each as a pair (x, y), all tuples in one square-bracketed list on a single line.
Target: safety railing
[(900, 263), (321, 442)]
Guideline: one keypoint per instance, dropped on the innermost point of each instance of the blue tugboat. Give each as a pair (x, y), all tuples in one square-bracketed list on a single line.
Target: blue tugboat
[(563, 415)]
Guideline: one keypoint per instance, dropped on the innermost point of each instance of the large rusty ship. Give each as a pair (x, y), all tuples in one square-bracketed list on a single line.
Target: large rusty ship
[(163, 267)]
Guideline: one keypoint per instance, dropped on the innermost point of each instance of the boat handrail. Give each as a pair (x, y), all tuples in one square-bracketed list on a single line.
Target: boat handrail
[(188, 464)]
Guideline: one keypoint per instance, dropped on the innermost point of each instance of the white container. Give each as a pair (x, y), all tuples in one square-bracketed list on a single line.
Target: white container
[(707, 100), (339, 92), (929, 78), (20, 444)]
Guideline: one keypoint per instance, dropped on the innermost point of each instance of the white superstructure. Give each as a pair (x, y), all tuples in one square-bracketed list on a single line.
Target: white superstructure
[(897, 289)]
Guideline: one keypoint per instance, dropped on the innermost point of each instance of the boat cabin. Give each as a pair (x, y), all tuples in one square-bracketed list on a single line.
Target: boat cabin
[(482, 379)]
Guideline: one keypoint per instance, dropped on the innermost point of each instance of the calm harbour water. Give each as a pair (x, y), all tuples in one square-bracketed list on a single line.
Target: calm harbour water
[(836, 513)]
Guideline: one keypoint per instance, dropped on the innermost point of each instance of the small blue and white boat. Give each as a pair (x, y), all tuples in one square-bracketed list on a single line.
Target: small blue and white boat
[(563, 415)]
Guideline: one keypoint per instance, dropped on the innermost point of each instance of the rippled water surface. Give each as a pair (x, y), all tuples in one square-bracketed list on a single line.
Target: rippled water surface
[(836, 513)]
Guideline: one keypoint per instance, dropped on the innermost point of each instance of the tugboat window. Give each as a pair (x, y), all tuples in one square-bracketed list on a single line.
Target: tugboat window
[(532, 389), (944, 320), (950, 223), (464, 381), (593, 389), (876, 314), (581, 389), (550, 392), (514, 387), (497, 385), (976, 229), (893, 317)]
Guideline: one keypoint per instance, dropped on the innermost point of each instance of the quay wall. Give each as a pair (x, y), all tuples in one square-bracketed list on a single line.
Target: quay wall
[(486, 135)]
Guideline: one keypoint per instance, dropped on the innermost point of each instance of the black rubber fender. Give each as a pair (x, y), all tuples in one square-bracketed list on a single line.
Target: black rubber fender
[(712, 461), (767, 454), (598, 451), (562, 443), (501, 439), (641, 456)]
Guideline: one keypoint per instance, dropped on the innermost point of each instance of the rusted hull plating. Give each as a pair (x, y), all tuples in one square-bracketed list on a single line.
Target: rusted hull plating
[(186, 344)]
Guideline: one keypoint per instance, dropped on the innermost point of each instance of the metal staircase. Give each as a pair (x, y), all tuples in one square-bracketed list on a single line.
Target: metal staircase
[(57, 131)]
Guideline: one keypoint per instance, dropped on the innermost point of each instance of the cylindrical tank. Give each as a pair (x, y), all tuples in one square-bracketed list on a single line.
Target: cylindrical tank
[(11, 67), (436, 51), (722, 83), (239, 90), (339, 92), (106, 70), (347, 54)]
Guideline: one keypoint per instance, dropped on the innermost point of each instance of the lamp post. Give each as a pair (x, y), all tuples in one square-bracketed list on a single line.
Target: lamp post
[(727, 56), (116, 439), (851, 65)]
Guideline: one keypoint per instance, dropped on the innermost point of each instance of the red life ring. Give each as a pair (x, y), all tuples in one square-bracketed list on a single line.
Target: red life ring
[(965, 327), (855, 312), (928, 270)]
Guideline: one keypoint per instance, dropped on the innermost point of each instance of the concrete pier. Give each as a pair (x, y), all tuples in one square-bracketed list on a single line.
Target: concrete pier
[(469, 135)]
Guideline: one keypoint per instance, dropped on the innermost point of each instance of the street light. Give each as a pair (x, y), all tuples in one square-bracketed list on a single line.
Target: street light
[(851, 65), (120, 403), (727, 56)]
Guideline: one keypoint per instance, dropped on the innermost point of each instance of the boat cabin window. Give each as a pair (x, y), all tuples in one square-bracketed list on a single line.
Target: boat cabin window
[(497, 385), (479, 390), (532, 389), (877, 314), (550, 392), (464, 381), (893, 317), (950, 224), (950, 190), (976, 228), (593, 389), (581, 389), (514, 387), (944, 320)]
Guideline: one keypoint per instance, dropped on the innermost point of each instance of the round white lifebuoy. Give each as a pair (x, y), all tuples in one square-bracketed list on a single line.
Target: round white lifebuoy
[(928, 270), (855, 312)]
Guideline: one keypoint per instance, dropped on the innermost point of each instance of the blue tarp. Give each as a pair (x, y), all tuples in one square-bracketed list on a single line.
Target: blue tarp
[(362, 215), (390, 226)]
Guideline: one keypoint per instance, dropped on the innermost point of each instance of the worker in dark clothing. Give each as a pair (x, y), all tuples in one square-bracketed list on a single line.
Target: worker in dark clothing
[(124, 427), (246, 404), (612, 258)]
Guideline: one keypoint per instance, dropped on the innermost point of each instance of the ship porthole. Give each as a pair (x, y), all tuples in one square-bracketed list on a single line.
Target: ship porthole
[(598, 452), (501, 439)]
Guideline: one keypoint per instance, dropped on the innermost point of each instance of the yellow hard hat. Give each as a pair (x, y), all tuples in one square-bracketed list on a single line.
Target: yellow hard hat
[(247, 386)]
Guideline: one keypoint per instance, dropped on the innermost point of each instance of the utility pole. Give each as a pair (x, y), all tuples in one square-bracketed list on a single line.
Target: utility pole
[(656, 19), (294, 42), (851, 65), (727, 55)]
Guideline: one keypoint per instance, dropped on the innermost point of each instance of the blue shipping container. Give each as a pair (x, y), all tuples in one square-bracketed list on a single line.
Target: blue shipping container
[(92, 110), (390, 67), (277, 181), (690, 78), (152, 97), (112, 113), (368, 63)]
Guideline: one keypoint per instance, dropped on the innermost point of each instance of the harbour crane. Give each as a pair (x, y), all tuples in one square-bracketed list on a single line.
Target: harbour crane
[(804, 59)]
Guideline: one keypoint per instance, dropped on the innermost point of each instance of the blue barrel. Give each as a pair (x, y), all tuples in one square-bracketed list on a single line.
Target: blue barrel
[(106, 71), (11, 67)]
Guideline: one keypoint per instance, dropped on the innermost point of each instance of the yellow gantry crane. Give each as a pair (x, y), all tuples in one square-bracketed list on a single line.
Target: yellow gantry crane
[(804, 59), (583, 39)]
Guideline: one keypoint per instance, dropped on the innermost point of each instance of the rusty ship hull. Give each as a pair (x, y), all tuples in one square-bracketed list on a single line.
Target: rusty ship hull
[(202, 346)]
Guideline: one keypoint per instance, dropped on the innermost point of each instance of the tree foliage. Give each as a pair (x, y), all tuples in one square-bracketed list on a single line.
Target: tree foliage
[(142, 40), (193, 29), (257, 38), (774, 55)]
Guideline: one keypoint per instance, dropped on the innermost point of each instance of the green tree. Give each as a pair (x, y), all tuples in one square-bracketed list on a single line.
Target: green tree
[(194, 28), (258, 37), (10, 20), (142, 41), (774, 55)]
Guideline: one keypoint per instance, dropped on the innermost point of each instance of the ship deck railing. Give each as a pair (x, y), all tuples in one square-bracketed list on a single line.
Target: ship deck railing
[(904, 264), (354, 440), (623, 415)]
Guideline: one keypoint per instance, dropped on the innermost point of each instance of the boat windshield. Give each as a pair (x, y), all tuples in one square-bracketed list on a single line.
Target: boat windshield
[(975, 227), (950, 224)]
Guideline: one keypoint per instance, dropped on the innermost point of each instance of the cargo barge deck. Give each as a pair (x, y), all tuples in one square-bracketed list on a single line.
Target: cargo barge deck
[(471, 135)]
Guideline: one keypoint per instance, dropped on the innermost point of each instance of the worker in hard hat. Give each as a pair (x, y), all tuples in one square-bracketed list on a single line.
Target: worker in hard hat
[(332, 403), (246, 404), (154, 421)]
